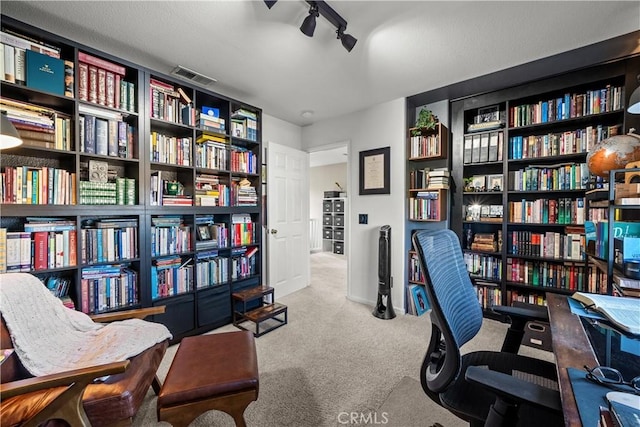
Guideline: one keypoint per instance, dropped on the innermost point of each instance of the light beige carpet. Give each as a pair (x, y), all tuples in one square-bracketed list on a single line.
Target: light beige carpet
[(334, 361)]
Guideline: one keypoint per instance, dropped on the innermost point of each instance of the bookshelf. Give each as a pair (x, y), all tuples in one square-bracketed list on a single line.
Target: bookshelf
[(621, 219), (427, 178), (143, 190), (333, 224), (522, 180)]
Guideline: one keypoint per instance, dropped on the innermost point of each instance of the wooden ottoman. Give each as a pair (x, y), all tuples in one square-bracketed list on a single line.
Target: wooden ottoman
[(217, 371)]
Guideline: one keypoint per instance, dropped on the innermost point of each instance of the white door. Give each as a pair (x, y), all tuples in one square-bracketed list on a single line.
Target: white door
[(287, 230)]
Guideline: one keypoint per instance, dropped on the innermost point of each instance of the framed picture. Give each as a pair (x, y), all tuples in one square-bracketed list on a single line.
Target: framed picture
[(495, 182), (374, 171), (479, 182), (420, 299), (203, 232)]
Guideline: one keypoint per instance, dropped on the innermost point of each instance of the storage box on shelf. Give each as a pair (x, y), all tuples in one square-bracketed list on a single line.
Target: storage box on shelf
[(166, 161)]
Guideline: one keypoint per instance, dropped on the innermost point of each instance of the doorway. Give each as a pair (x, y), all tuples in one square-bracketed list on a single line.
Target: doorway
[(329, 230)]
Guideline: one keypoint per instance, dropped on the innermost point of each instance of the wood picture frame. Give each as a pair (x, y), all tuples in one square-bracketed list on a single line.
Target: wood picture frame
[(204, 233), (375, 171)]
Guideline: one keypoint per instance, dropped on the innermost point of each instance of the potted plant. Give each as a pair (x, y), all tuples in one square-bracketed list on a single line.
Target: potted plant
[(426, 120)]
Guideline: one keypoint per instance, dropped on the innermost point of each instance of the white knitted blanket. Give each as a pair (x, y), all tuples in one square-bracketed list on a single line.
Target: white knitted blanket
[(49, 337)]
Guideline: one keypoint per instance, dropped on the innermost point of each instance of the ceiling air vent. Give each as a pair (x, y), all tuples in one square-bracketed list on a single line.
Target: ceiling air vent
[(193, 76)]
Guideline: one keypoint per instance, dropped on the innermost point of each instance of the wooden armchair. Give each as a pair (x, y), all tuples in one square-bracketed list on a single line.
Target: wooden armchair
[(30, 401)]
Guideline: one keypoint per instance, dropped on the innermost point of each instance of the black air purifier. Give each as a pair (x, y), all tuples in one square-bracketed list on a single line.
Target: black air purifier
[(384, 307)]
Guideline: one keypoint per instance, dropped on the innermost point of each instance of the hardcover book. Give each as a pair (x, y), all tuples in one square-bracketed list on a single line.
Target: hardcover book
[(44, 72)]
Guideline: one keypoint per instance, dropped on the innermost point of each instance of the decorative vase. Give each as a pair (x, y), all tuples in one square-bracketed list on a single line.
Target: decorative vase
[(613, 153)]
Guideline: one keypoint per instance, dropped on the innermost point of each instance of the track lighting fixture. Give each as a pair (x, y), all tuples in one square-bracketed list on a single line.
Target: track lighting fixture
[(322, 8), (309, 24), (348, 41)]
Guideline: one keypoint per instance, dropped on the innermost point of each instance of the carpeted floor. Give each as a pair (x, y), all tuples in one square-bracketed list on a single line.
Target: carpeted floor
[(335, 364)]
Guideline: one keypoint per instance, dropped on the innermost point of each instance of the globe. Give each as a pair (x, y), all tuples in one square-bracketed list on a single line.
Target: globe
[(613, 153)]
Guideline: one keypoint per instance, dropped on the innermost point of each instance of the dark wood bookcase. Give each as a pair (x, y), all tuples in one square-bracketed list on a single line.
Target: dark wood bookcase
[(189, 250), (520, 179)]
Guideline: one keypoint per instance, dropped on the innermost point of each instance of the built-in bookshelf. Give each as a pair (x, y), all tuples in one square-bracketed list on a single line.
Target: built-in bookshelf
[(132, 188), (428, 184), (520, 165)]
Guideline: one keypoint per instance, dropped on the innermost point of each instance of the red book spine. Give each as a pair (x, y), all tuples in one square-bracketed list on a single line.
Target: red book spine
[(40, 239), (83, 82), (93, 84), (102, 86)]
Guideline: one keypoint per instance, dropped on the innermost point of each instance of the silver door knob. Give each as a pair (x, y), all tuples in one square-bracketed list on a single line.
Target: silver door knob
[(274, 231)]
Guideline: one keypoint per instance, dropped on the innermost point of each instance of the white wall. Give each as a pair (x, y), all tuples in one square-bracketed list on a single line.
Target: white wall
[(376, 127), (321, 179), (281, 132)]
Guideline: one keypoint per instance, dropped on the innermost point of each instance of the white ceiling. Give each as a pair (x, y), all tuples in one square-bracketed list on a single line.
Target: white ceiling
[(328, 157), (260, 56)]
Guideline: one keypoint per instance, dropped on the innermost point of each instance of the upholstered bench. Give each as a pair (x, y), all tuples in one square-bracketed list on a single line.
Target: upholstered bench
[(216, 371)]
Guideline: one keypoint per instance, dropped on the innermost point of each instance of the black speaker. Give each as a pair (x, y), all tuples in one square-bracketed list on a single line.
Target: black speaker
[(382, 310)]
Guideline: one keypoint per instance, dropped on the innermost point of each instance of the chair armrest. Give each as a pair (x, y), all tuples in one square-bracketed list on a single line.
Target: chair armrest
[(139, 313), (84, 375), (514, 389), (523, 313)]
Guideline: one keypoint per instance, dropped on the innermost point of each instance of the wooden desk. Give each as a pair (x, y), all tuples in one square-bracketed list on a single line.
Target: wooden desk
[(571, 348)]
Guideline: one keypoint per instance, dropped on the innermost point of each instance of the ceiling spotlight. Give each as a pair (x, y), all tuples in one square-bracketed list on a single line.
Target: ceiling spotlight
[(348, 41), (270, 3), (309, 24)]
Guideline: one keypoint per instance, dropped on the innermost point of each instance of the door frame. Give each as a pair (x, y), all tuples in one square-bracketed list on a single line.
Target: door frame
[(350, 193)]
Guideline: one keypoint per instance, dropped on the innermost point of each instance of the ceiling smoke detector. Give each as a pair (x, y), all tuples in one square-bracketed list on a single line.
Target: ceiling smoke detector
[(193, 76)]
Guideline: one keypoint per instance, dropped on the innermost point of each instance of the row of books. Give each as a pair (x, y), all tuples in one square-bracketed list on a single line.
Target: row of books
[(171, 276), (111, 244), (212, 152), (39, 126), (569, 246), (547, 274), (483, 266), (558, 144), (170, 239), (571, 105), (244, 124), (488, 295), (244, 161), (170, 103), (597, 234), (548, 211), (427, 178), (417, 300), (106, 137), (24, 185), (574, 176), (120, 192), (528, 297), (210, 234), (108, 287), (30, 62), (170, 149), (40, 250), (483, 147), (415, 269), (425, 206), (102, 82), (425, 146), (211, 269), (244, 265)]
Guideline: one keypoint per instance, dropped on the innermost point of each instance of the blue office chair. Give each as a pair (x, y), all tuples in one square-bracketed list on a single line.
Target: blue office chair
[(490, 388)]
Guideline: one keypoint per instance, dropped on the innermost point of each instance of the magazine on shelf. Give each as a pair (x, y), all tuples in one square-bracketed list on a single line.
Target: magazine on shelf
[(622, 312)]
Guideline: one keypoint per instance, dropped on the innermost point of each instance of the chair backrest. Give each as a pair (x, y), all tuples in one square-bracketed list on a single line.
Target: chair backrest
[(456, 315)]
